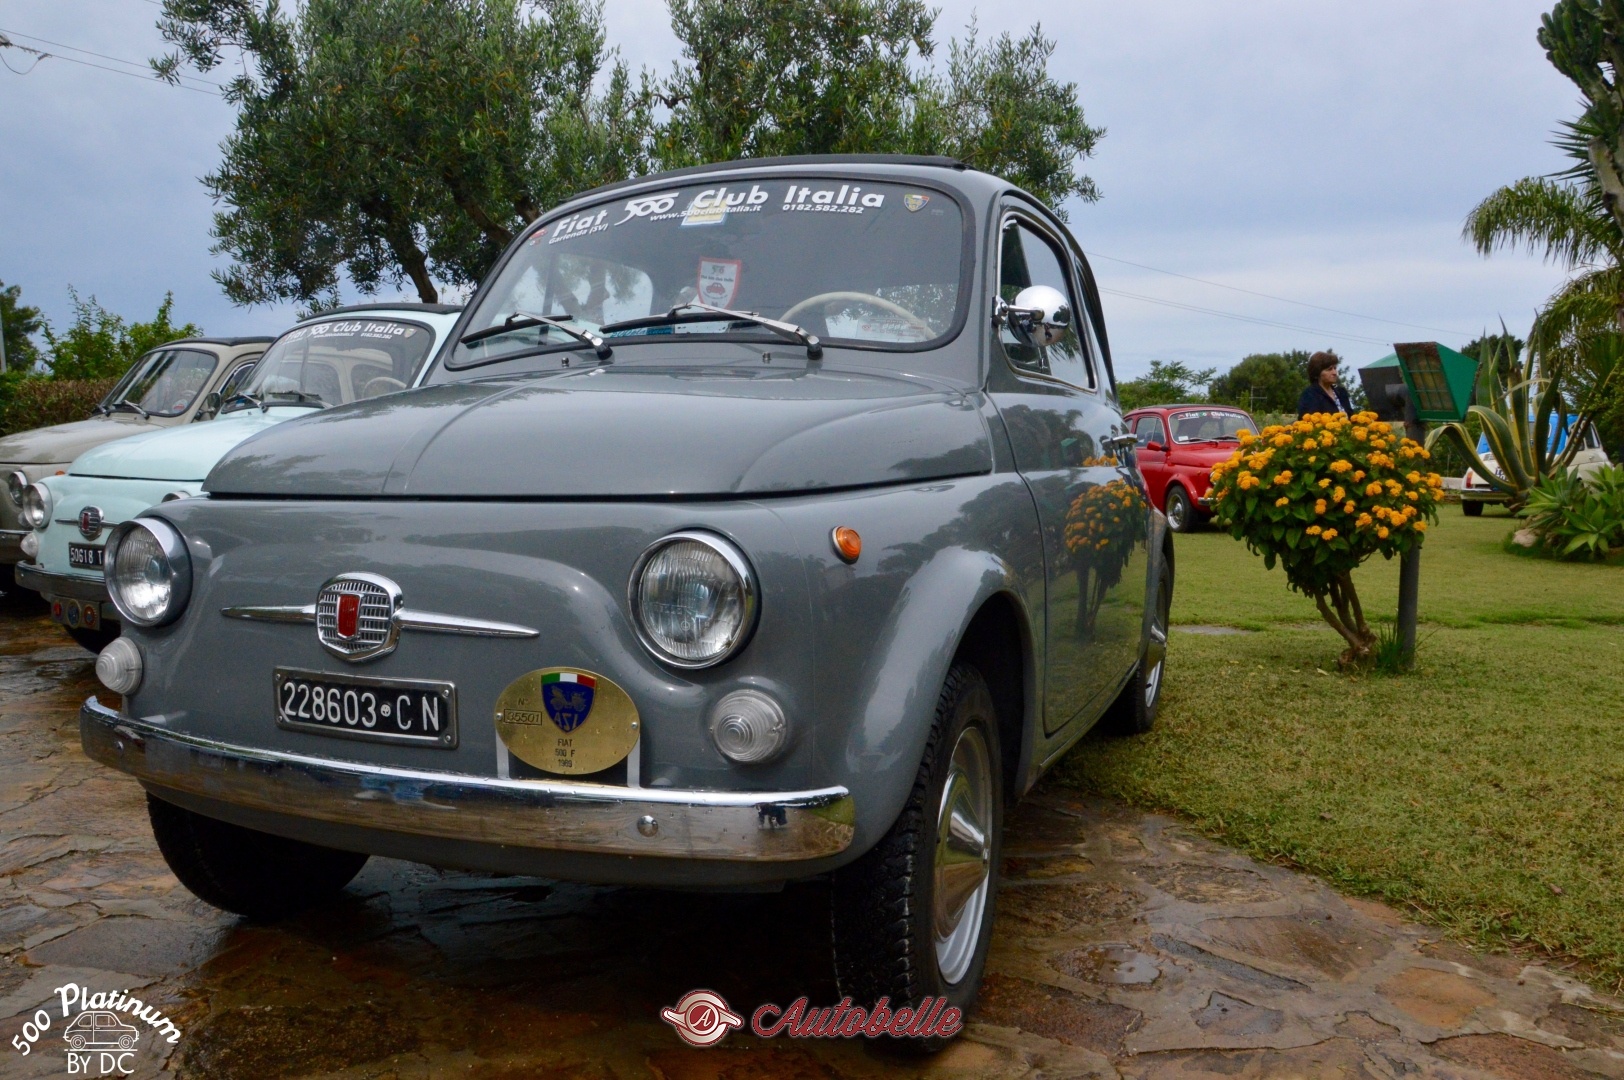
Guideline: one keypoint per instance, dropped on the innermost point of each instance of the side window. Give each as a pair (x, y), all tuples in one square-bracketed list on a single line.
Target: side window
[(1149, 430), (1027, 258), (235, 380)]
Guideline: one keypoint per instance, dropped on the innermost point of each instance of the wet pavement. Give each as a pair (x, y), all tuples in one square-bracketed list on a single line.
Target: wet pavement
[(1126, 947)]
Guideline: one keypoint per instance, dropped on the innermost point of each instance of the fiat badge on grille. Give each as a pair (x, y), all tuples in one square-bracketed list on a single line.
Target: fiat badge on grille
[(357, 616), (90, 522)]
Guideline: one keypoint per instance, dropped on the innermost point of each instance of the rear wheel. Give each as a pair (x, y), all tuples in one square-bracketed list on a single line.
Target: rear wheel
[(1471, 508), (1134, 710), (1180, 510), (244, 871), (913, 917)]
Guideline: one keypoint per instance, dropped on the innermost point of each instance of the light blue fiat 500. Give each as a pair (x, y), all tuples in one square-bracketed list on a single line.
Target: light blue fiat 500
[(341, 356)]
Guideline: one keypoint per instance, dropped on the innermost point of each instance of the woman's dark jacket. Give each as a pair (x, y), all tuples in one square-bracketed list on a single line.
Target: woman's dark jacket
[(1313, 400)]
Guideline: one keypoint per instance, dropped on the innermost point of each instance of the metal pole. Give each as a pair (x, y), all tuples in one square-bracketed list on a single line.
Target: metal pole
[(1409, 565), (2, 338)]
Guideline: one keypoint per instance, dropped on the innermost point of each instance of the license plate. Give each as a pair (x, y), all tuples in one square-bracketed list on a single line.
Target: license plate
[(87, 556), (420, 712)]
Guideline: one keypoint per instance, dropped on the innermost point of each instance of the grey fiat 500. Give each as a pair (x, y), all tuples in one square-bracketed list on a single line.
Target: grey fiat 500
[(756, 522)]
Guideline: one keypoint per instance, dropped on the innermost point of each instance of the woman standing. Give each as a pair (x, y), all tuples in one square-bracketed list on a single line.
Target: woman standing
[(1324, 392)]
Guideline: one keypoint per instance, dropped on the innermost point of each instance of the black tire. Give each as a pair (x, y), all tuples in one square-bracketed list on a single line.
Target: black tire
[(94, 640), (1471, 508), (1134, 710), (1181, 515), (885, 919), (246, 872)]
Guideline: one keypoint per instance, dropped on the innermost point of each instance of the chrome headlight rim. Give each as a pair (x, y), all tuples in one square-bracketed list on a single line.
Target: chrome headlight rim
[(177, 564), (37, 504), (17, 483), (749, 590)]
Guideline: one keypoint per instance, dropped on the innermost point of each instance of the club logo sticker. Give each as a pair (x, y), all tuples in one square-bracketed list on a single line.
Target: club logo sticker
[(915, 203), (719, 281), (566, 721)]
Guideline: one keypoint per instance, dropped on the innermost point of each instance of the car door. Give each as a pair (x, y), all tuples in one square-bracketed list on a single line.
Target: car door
[(1068, 440), (1153, 463)]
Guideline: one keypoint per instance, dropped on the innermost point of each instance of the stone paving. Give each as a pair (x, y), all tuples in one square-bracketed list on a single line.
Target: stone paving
[(1126, 947)]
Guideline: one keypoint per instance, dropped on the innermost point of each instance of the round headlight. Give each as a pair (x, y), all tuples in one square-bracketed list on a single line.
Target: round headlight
[(149, 573), (36, 506), (16, 484), (693, 599)]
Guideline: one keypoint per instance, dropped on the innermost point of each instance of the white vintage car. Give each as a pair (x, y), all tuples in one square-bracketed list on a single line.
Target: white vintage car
[(1476, 492)]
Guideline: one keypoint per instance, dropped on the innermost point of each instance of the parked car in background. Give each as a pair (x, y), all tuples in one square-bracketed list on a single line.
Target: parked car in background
[(345, 355), (1177, 447), (813, 575), (164, 388), (1476, 492)]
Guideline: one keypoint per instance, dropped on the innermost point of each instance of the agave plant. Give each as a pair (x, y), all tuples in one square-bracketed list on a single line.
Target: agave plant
[(1521, 417), (1577, 518)]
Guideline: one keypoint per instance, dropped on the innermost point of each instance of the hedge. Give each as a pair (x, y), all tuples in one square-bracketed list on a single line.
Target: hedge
[(39, 402)]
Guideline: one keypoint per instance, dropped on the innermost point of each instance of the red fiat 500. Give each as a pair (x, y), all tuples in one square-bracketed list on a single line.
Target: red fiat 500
[(1178, 446)]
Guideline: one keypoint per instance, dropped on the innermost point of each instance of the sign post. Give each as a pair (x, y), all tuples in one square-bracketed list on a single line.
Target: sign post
[(1421, 381)]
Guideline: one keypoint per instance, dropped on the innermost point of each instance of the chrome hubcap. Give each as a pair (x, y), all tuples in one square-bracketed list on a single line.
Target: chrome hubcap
[(1175, 512), (963, 862)]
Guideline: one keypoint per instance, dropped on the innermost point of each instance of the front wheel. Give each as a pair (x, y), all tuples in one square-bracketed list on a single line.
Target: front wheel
[(913, 917), (126, 1042), (76, 1042), (244, 871), (1180, 511)]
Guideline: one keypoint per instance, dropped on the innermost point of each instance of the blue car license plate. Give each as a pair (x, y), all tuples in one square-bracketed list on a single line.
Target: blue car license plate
[(414, 711)]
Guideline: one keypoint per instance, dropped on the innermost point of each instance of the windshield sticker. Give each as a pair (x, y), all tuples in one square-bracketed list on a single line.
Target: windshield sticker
[(848, 200), (582, 224), (915, 203), (712, 205), (719, 281), (647, 205), (361, 328)]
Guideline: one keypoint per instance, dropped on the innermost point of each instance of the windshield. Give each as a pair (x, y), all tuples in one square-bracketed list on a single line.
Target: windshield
[(861, 264), (164, 382), (329, 363), (1210, 425)]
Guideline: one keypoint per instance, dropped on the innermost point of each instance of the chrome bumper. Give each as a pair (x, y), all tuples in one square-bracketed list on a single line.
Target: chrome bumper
[(541, 814), (64, 586)]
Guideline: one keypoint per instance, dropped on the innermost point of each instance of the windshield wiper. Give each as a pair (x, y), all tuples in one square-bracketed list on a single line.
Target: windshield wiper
[(241, 396), (132, 406), (523, 320), (299, 396), (686, 313)]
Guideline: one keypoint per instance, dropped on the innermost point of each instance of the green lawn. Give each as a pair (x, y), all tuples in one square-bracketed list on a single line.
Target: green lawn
[(1484, 791)]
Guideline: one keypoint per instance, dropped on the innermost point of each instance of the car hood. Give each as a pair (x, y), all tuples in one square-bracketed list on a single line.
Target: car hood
[(1204, 453), (64, 442), (182, 453), (608, 432)]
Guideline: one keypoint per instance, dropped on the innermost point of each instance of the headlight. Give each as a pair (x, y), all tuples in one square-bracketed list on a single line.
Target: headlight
[(16, 484), (149, 573), (693, 599), (36, 506)]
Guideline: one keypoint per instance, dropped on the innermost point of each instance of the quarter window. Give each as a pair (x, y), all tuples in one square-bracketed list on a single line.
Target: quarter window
[(1149, 430), (1028, 259)]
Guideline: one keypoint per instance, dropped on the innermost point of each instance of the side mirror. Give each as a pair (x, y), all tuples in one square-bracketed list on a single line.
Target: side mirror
[(211, 407), (1039, 316), (1153, 445)]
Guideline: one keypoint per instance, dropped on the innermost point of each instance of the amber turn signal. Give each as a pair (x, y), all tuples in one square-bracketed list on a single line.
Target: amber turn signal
[(848, 545)]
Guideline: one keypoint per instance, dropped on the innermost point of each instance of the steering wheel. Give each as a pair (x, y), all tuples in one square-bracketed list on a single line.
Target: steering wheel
[(825, 299), (371, 387)]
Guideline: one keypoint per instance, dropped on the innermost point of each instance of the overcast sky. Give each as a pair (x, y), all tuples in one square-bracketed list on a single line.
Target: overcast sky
[(1321, 153)]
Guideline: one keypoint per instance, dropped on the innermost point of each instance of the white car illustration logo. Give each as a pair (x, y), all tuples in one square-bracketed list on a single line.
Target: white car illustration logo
[(98, 1028)]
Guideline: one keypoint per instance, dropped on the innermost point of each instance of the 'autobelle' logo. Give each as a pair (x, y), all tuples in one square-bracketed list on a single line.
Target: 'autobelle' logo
[(702, 1018), (100, 1041)]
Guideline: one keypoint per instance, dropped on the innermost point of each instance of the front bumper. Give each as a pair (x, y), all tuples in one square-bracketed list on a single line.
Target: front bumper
[(534, 814), (62, 586)]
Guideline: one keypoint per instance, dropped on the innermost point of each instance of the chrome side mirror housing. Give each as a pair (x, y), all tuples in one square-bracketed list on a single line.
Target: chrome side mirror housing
[(210, 408), (1040, 315)]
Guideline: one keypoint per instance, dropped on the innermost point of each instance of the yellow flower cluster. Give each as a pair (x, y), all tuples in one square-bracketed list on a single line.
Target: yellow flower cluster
[(1349, 482), (1103, 515)]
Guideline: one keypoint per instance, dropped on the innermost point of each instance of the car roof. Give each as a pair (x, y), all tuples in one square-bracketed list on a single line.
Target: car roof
[(228, 342), (399, 305), (1188, 405)]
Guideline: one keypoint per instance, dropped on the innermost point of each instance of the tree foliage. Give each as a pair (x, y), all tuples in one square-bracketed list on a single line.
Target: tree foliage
[(392, 141), (1263, 382), (21, 323), (400, 140), (99, 344), (1169, 382)]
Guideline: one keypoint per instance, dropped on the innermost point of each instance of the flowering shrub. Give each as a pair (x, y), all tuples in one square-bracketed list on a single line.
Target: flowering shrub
[(1322, 495), (1105, 525)]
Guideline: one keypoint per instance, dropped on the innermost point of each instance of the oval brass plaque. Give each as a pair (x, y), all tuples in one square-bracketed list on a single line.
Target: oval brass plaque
[(566, 720)]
